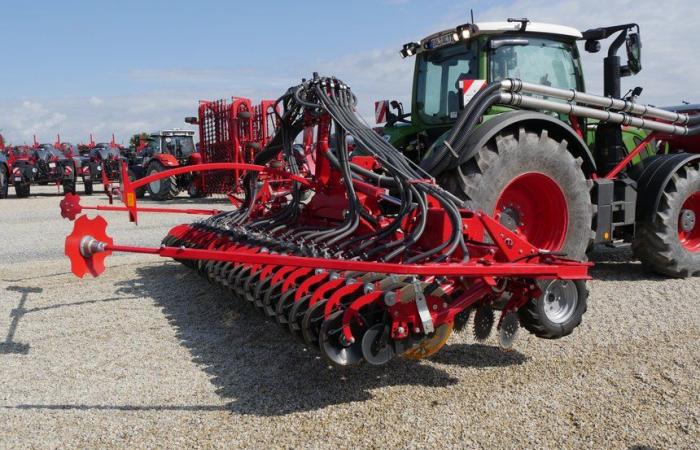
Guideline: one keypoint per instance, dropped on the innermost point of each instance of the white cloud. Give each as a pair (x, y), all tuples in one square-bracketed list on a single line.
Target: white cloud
[(670, 72)]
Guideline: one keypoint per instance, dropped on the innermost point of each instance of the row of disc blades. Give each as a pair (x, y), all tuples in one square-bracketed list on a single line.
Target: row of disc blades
[(298, 299)]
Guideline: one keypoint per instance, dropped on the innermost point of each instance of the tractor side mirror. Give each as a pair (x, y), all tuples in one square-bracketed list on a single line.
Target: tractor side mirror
[(192, 120), (634, 53)]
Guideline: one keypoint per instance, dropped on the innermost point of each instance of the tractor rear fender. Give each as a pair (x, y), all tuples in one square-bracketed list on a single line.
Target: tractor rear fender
[(167, 160), (533, 121), (654, 177)]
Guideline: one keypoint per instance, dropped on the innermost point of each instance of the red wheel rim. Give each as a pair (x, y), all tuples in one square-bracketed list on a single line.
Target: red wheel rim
[(534, 206), (688, 227)]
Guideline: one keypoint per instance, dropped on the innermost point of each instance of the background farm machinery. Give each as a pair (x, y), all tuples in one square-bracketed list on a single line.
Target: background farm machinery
[(101, 163), (43, 164)]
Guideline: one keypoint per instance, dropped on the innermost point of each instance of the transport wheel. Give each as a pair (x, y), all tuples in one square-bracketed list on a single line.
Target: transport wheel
[(88, 187), (140, 191), (670, 243), (22, 190), (163, 189), (533, 185), (558, 311), (4, 182)]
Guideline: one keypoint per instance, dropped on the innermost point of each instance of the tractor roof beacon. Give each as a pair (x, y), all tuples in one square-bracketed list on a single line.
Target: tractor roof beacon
[(500, 117)]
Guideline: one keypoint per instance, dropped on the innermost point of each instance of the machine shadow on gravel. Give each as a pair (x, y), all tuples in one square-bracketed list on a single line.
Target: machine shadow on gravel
[(9, 345), (619, 265), (257, 365)]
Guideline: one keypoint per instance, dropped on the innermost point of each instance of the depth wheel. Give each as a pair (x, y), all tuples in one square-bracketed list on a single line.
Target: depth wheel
[(334, 349)]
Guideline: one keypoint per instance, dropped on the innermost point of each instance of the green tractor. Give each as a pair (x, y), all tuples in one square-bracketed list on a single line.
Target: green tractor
[(500, 118)]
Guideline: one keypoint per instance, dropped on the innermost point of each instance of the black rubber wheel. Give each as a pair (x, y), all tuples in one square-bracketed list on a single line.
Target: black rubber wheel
[(669, 244), (533, 184), (557, 311), (140, 191), (4, 182), (87, 187), (163, 189), (68, 185), (23, 189)]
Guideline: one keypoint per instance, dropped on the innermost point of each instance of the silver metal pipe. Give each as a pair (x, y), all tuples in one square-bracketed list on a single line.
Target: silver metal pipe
[(570, 95), (508, 98)]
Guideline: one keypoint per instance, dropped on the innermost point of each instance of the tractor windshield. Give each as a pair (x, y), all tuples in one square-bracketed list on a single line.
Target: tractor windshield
[(438, 76), (537, 60), (178, 146)]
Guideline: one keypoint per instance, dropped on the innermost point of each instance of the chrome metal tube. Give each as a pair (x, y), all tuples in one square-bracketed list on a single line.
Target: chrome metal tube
[(512, 99), (570, 95)]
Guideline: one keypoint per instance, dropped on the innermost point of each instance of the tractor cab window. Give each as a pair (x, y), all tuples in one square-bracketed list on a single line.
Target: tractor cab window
[(178, 146), (438, 77), (536, 60)]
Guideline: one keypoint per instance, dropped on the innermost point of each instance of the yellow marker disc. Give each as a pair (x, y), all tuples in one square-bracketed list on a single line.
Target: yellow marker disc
[(431, 345)]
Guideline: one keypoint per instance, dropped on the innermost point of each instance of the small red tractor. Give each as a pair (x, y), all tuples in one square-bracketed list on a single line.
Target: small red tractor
[(101, 163), (43, 164), (483, 199), (165, 150)]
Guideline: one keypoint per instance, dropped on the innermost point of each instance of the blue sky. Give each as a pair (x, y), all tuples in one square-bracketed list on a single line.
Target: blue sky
[(77, 67)]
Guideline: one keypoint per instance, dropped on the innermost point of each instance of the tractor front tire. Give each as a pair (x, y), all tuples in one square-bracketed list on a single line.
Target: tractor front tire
[(140, 191), (669, 243), (88, 187), (533, 185), (163, 189), (4, 182), (22, 189), (68, 185)]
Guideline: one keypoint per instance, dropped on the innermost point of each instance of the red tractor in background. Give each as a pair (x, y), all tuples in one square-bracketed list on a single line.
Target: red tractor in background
[(43, 164), (166, 149), (101, 161)]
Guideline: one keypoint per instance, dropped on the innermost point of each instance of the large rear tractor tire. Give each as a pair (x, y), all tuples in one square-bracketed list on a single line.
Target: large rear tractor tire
[(533, 185), (22, 189), (669, 243), (140, 191), (4, 182), (163, 189)]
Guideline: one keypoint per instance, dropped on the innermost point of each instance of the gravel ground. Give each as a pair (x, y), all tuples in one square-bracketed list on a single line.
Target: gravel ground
[(150, 355)]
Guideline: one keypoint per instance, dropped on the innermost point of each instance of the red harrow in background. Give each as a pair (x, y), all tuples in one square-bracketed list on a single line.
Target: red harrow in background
[(377, 261)]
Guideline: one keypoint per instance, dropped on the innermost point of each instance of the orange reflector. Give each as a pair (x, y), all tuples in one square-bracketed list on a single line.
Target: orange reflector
[(130, 200), (606, 235)]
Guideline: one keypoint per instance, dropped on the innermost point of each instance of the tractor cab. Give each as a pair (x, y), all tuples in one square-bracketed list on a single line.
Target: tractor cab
[(535, 52), (178, 143), (453, 65)]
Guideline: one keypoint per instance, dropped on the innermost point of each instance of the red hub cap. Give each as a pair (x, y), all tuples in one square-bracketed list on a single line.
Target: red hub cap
[(534, 206), (688, 227)]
